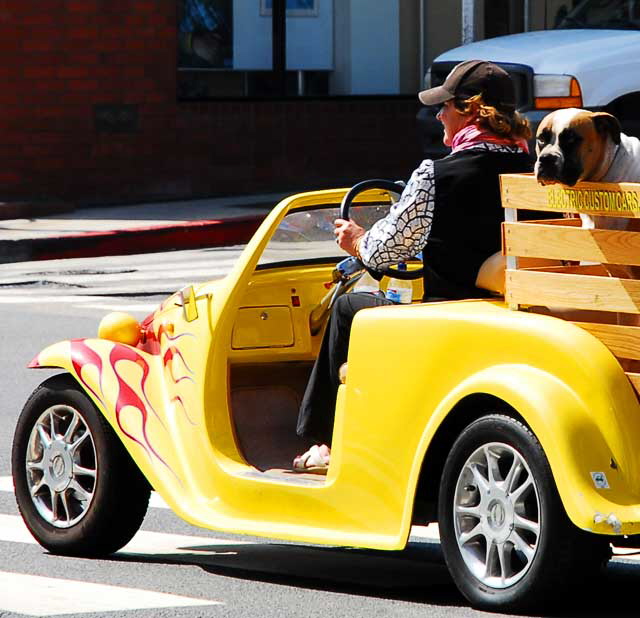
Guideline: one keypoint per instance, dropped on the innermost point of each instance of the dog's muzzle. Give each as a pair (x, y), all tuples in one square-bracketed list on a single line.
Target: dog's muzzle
[(551, 168), (548, 168)]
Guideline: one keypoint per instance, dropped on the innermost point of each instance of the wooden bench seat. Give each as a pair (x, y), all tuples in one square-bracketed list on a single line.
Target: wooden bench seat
[(586, 275)]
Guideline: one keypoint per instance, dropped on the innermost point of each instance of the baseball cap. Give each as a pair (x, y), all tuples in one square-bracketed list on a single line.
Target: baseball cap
[(470, 78)]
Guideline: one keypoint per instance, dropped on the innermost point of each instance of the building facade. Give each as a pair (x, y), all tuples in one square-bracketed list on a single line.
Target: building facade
[(126, 100)]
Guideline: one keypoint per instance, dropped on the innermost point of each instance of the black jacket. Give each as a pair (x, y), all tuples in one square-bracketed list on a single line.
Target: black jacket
[(467, 218)]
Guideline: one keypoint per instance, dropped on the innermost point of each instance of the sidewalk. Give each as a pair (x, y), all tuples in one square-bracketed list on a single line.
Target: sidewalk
[(138, 228)]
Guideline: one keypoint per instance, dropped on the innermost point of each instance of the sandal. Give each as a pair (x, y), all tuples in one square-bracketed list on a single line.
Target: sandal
[(315, 460)]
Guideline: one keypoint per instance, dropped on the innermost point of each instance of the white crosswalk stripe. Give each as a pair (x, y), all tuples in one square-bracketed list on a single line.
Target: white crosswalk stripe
[(128, 283), (61, 596), (145, 543), (107, 276), (6, 484), (153, 542), (114, 283), (55, 597), (40, 595)]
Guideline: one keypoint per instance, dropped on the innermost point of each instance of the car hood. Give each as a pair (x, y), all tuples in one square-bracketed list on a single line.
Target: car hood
[(553, 51)]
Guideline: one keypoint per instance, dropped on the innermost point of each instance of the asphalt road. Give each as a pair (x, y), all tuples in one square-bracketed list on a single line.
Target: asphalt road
[(171, 568)]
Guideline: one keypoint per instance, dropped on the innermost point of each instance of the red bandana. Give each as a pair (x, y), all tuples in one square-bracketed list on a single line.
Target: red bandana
[(472, 135)]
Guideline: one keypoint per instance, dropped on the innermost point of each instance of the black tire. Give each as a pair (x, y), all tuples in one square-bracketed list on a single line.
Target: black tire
[(555, 551), (92, 498)]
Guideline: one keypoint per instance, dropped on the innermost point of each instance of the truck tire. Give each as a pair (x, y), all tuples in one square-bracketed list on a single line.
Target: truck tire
[(77, 488), (505, 536)]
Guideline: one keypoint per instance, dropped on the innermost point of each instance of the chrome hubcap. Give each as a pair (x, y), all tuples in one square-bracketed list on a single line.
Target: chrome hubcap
[(497, 515), (61, 466)]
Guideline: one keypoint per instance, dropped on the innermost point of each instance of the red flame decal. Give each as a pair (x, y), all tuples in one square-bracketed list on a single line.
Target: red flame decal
[(127, 396), (167, 360), (165, 331), (151, 341), (178, 399), (83, 356)]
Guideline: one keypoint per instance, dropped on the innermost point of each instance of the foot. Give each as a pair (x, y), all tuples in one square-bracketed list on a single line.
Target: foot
[(315, 460)]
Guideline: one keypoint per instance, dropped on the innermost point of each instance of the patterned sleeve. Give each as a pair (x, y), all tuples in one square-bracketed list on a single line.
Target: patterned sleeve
[(403, 233)]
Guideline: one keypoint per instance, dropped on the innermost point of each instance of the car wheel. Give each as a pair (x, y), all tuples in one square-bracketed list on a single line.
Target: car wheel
[(77, 488), (505, 536)]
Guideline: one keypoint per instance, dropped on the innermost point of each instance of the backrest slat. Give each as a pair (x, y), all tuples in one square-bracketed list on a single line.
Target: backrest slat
[(623, 341), (615, 199), (561, 289), (560, 242), (595, 279)]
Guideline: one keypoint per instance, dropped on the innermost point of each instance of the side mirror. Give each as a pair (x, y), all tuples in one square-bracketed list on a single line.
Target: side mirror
[(189, 307)]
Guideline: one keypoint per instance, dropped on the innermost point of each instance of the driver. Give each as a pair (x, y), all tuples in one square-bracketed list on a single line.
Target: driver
[(450, 211)]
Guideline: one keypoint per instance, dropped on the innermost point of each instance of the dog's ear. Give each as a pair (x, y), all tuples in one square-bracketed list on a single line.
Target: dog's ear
[(606, 124)]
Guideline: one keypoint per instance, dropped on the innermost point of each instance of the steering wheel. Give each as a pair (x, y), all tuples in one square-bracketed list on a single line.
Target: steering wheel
[(392, 187)]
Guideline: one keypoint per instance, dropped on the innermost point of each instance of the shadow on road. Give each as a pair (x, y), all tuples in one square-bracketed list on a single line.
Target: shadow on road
[(417, 574)]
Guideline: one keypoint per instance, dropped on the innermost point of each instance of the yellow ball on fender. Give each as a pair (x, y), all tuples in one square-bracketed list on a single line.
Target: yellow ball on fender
[(121, 327)]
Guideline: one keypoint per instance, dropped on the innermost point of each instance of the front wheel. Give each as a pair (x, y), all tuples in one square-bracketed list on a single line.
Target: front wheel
[(77, 488), (506, 538)]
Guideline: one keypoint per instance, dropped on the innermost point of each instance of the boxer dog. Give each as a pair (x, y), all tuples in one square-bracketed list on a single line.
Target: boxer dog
[(574, 145)]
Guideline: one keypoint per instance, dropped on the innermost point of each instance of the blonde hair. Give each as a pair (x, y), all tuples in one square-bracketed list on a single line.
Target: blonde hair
[(509, 124)]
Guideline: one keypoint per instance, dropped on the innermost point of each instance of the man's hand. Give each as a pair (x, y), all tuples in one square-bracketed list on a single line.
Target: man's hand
[(347, 235)]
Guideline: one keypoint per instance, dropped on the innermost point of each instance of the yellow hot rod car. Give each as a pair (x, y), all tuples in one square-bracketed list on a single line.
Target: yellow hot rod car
[(512, 422)]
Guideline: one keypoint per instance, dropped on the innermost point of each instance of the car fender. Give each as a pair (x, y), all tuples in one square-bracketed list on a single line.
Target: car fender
[(564, 383), (127, 386), (584, 442)]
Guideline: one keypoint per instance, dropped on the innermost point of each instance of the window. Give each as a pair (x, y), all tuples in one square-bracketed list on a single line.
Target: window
[(307, 235), (230, 48), (294, 8)]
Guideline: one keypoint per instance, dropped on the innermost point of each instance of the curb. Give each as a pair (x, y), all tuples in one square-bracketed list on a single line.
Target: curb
[(188, 235)]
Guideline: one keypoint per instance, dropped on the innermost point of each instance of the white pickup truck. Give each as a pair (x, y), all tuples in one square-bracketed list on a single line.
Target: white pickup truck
[(590, 60)]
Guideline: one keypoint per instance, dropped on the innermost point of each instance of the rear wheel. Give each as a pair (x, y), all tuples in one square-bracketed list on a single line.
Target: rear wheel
[(77, 488), (506, 538)]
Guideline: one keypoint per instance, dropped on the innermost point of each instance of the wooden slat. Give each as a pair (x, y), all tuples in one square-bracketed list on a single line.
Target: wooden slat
[(570, 221), (571, 243), (623, 341), (620, 199), (551, 289), (597, 270), (573, 221), (577, 292)]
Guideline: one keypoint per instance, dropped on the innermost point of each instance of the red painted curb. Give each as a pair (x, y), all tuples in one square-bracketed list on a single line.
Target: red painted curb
[(187, 235)]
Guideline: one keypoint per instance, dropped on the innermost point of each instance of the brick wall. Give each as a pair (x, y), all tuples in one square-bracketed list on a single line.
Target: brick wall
[(70, 67)]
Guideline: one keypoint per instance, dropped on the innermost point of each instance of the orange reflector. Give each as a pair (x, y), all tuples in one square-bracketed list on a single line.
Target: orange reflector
[(573, 100)]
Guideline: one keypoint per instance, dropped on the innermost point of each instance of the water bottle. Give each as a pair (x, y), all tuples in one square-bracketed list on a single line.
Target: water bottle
[(399, 290), (367, 283)]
